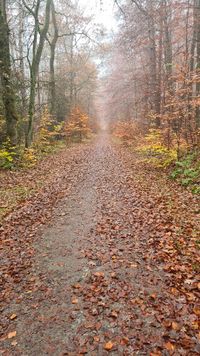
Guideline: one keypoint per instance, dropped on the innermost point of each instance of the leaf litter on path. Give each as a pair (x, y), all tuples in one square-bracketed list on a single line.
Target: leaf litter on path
[(135, 236)]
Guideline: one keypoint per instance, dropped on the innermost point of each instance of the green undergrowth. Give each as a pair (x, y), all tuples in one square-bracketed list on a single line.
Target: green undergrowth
[(187, 172)]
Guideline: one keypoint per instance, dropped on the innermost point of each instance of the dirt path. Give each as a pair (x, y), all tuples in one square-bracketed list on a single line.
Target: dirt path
[(95, 284)]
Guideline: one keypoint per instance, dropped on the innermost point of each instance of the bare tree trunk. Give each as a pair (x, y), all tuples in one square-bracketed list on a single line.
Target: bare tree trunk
[(197, 17), (154, 86), (5, 73), (21, 64), (52, 91), (72, 99), (34, 68)]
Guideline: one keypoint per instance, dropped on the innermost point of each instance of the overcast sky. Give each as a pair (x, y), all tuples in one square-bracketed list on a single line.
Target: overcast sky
[(102, 9)]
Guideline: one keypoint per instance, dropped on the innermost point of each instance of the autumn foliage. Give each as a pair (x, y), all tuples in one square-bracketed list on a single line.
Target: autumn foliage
[(127, 131), (77, 126)]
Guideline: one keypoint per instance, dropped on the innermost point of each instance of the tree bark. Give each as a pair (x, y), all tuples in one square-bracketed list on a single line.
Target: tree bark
[(197, 17), (34, 67), (8, 95), (52, 89)]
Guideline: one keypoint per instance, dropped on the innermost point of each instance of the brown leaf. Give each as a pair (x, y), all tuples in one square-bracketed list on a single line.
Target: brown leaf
[(98, 326), (124, 341), (155, 353), (114, 314)]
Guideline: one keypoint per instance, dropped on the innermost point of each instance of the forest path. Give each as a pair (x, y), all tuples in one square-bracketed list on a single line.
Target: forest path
[(95, 287)]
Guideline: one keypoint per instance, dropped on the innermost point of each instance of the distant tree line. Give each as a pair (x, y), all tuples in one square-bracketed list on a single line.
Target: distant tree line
[(154, 72)]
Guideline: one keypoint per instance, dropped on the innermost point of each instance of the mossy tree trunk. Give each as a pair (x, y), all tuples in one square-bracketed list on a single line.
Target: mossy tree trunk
[(8, 94)]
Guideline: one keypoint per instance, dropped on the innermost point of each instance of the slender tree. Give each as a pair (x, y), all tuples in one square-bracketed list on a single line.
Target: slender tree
[(8, 94), (37, 48)]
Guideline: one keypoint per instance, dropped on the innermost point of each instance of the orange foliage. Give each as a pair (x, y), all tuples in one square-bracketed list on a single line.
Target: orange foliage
[(77, 126), (126, 130)]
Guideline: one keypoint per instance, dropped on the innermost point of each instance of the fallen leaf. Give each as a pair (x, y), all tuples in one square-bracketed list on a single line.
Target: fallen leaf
[(96, 338), (13, 316), (12, 334), (153, 296), (114, 314), (74, 301), (99, 274), (108, 346), (124, 341), (169, 346), (175, 326), (155, 353), (196, 310)]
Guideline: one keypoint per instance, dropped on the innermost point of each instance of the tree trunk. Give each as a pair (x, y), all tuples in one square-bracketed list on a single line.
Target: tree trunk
[(8, 95), (34, 68), (52, 91), (197, 17)]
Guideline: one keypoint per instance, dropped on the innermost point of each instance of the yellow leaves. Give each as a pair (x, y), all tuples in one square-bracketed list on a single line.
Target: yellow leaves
[(12, 334), (108, 346)]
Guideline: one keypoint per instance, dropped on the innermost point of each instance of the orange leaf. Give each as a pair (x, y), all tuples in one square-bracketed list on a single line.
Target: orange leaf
[(99, 274), (12, 334), (14, 343), (153, 296), (196, 310), (169, 346), (175, 326), (108, 346), (74, 301), (13, 316), (96, 338)]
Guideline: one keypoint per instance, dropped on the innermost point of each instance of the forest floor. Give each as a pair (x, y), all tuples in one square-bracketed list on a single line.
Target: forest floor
[(102, 259)]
